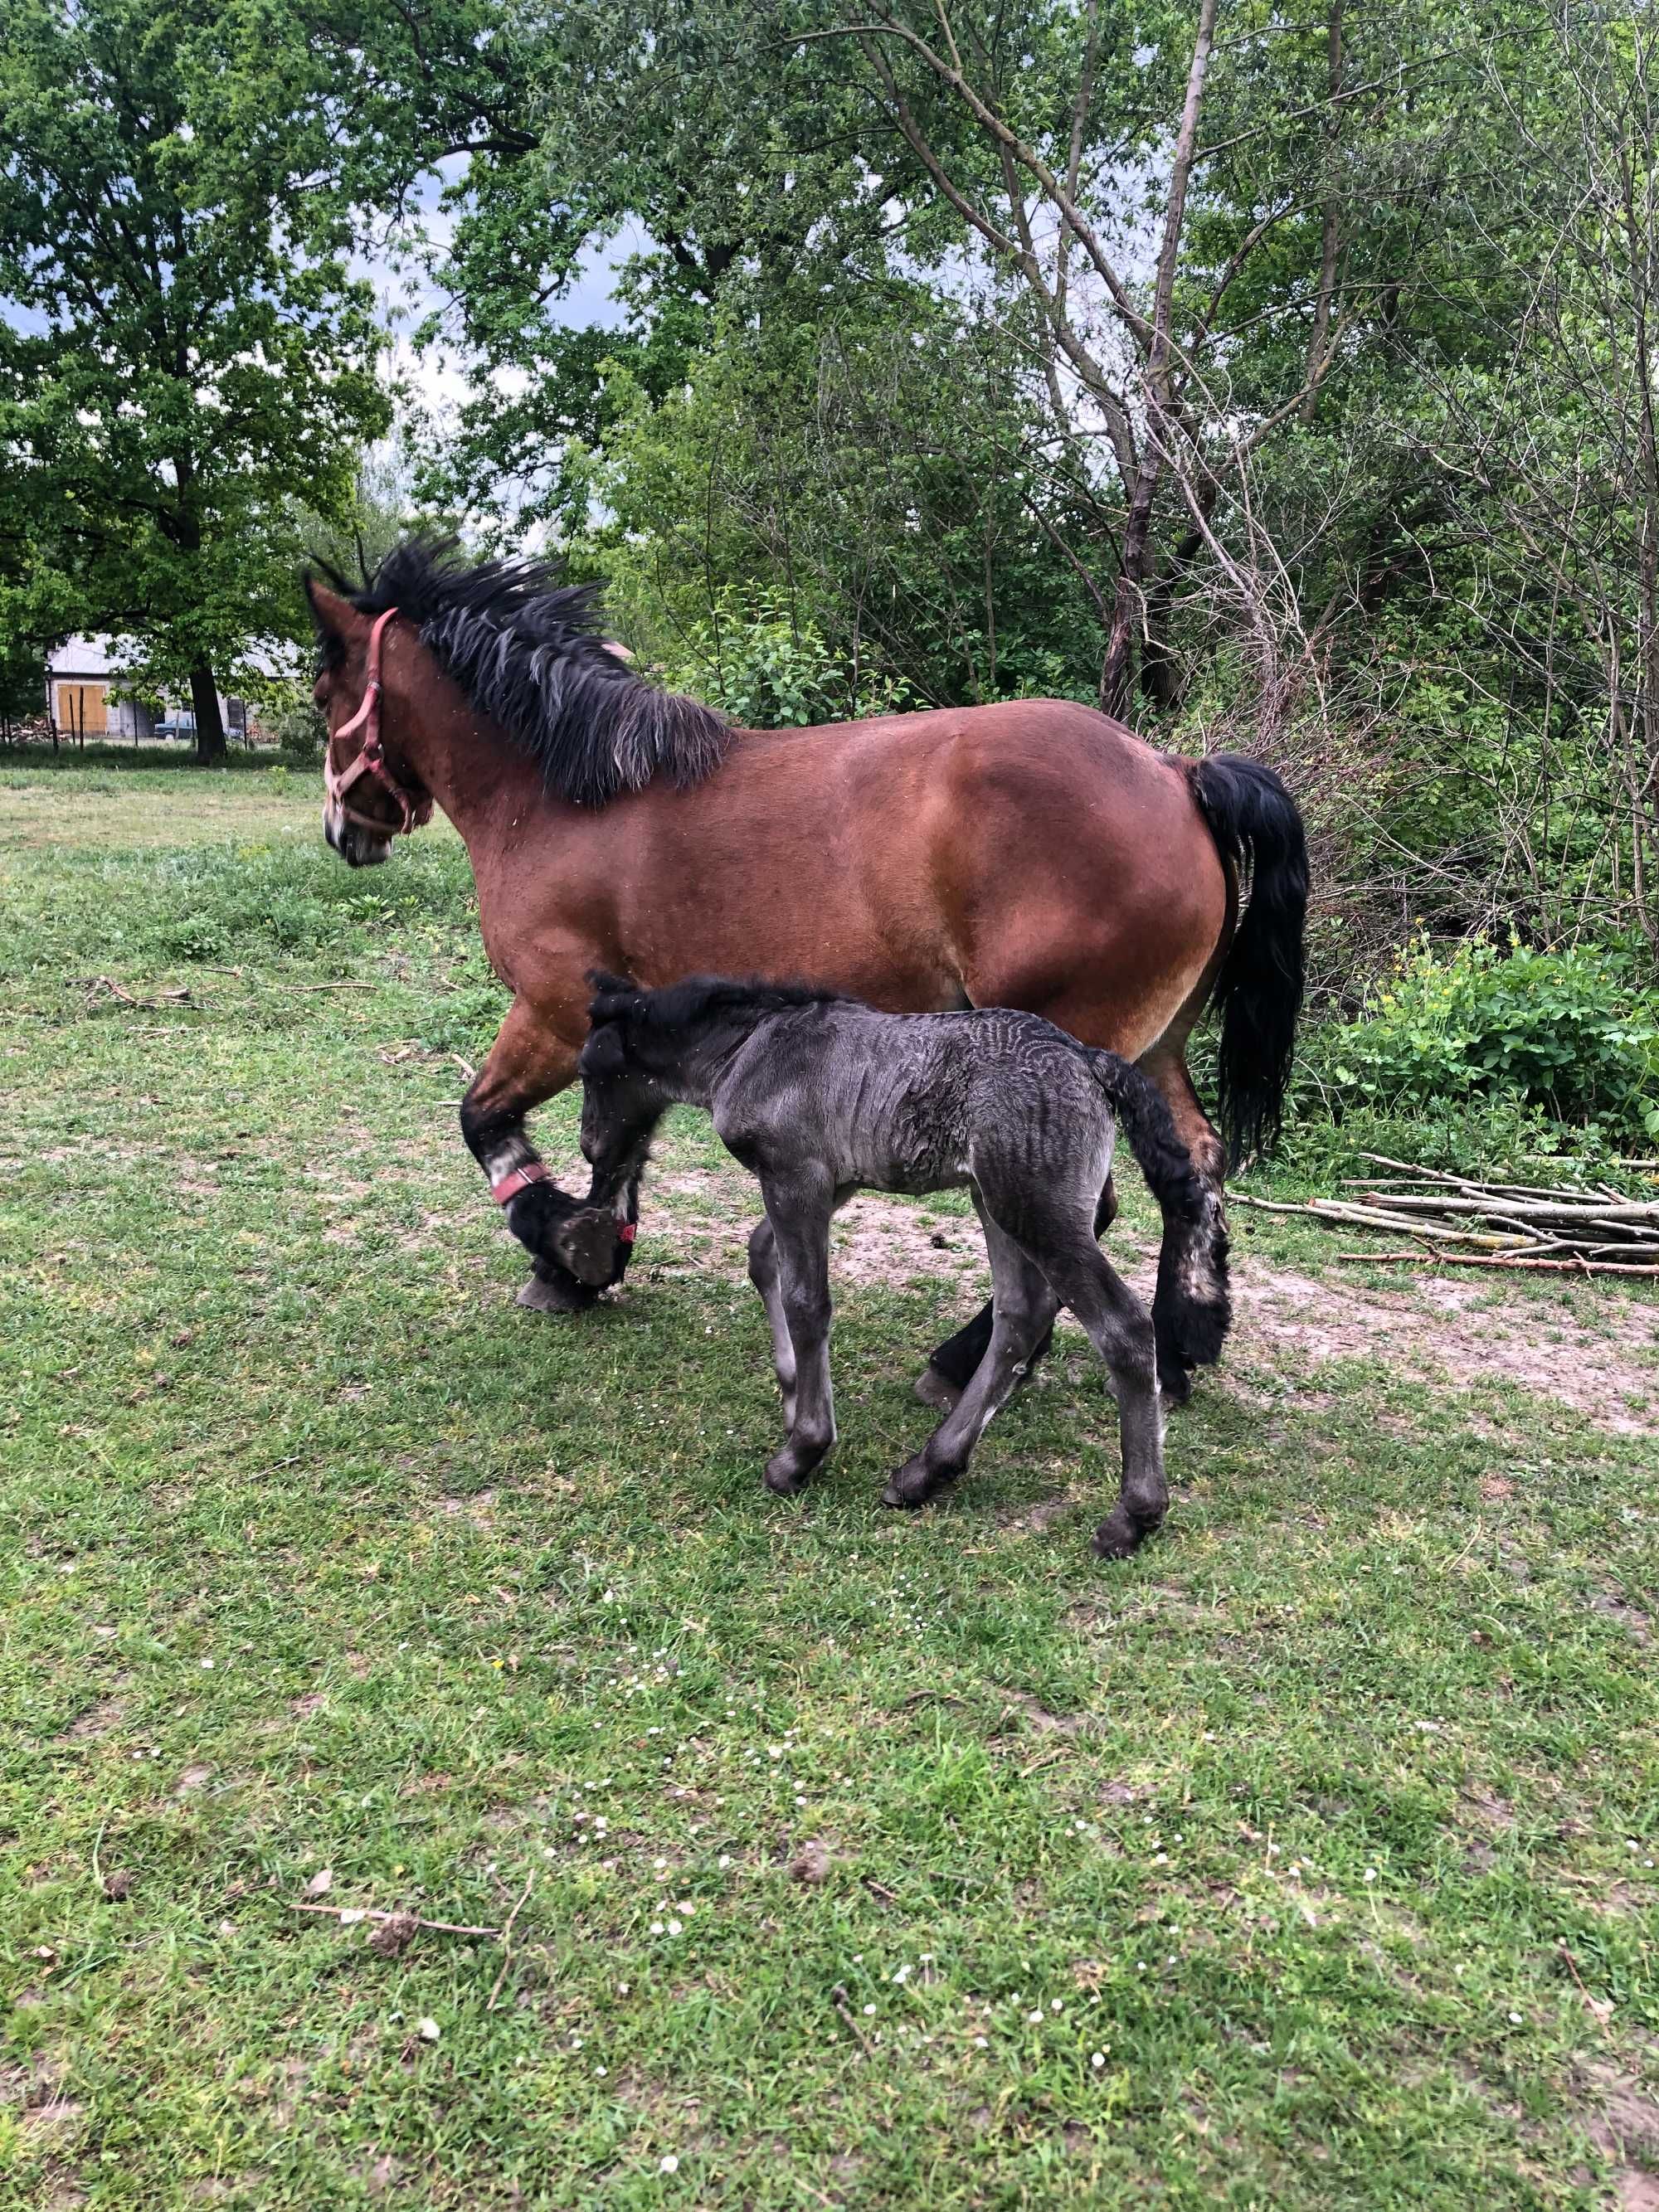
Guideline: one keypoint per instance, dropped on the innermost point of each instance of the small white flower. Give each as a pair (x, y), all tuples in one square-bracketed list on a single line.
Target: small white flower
[(1034, 2016), (869, 2010), (622, 1988), (656, 1927), (207, 1662), (675, 1926), (1055, 2005), (669, 2164), (428, 2031), (1098, 2060), (1370, 1874), (1515, 2020), (981, 2042)]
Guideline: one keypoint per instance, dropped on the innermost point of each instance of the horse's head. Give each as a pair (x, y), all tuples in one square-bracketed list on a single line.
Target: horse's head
[(368, 801)]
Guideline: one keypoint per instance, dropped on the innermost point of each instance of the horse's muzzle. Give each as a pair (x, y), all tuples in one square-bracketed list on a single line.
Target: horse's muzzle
[(357, 847)]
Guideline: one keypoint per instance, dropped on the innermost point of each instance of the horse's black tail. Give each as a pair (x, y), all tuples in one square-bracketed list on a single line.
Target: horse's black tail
[(1255, 825), (1191, 1309)]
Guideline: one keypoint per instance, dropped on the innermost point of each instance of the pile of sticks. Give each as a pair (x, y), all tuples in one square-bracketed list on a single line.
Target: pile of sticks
[(1455, 1222)]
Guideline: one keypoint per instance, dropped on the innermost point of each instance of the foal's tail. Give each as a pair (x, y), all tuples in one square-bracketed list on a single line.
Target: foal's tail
[(1255, 825), (1191, 1309)]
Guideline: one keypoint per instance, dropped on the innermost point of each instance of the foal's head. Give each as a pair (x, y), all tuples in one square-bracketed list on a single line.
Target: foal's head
[(623, 1100)]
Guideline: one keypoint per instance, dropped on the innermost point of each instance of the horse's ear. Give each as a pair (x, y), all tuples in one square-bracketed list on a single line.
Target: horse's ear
[(334, 617)]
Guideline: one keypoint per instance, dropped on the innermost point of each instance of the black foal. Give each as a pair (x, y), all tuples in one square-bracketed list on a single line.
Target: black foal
[(820, 1096)]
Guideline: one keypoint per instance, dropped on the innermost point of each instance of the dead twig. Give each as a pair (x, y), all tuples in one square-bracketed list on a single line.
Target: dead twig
[(352, 1913), (506, 1943), (843, 2005), (1573, 1267)]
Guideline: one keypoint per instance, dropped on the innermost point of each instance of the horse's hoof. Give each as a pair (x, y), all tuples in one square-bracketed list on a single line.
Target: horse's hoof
[(785, 1481), (586, 1244), (556, 1295), (937, 1390), (1175, 1382)]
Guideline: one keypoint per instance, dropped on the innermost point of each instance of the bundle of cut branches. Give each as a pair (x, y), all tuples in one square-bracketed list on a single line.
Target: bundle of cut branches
[(1456, 1222)]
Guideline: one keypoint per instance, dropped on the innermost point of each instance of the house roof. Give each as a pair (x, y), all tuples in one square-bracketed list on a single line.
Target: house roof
[(84, 656)]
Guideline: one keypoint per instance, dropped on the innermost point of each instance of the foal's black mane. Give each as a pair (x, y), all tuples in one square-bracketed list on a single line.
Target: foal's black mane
[(699, 1000), (529, 652)]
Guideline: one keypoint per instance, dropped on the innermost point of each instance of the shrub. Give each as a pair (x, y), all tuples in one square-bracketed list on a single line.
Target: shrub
[(1576, 1034)]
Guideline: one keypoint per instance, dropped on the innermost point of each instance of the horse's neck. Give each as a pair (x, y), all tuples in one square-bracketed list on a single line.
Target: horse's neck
[(488, 790)]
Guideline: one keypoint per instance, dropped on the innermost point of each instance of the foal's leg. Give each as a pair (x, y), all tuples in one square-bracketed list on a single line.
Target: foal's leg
[(1024, 1307), (1121, 1329), (798, 1208), (763, 1274), (529, 1062), (951, 1368)]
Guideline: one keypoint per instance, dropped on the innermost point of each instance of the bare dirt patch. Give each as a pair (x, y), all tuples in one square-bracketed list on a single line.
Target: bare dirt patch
[(1439, 1330), (1445, 1331)]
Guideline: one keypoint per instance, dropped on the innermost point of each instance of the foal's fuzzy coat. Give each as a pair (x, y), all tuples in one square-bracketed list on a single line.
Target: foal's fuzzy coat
[(821, 1096)]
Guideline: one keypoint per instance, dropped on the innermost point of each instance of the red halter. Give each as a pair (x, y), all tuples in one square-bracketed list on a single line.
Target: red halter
[(371, 761)]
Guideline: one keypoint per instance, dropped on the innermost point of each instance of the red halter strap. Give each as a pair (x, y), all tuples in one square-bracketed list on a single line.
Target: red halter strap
[(371, 759)]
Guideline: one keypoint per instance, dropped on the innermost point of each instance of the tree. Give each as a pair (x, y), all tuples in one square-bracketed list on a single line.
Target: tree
[(181, 345)]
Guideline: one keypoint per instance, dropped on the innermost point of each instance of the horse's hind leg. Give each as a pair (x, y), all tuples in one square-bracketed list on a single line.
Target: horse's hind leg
[(1024, 1309)]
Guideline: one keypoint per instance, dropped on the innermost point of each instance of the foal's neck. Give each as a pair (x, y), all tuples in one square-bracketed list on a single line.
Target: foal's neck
[(697, 1062)]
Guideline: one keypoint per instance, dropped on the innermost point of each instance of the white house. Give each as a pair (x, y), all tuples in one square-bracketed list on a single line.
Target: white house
[(81, 676)]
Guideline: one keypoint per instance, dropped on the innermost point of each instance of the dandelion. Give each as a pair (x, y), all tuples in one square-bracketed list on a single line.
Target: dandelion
[(1370, 1874), (1097, 2060), (1035, 2017), (669, 2163)]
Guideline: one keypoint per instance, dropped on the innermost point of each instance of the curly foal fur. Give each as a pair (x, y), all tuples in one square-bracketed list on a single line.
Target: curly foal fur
[(821, 1096)]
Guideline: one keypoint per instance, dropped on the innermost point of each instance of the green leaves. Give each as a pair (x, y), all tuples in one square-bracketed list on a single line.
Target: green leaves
[(1576, 1032), (183, 344)]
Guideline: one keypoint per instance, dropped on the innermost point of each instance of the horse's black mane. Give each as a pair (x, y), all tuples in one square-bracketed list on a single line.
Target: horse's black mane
[(529, 652), (699, 999)]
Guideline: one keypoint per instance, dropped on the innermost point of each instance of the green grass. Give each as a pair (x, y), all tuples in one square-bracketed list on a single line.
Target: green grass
[(1328, 1822)]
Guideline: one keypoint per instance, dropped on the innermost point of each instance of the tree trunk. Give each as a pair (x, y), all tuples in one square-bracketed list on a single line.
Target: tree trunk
[(210, 729)]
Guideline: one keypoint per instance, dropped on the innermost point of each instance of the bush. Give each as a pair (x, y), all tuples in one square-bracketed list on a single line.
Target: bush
[(300, 732), (768, 670), (1575, 1034)]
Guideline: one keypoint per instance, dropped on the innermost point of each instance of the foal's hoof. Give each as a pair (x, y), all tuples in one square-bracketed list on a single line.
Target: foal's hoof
[(1120, 1534), (555, 1294), (587, 1244), (785, 1481), (936, 1389), (916, 1484)]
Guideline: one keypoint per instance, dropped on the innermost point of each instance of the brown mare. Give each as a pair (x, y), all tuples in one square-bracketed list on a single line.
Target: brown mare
[(1033, 855)]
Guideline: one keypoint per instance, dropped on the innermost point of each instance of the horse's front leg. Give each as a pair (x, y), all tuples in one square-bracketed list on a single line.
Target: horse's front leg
[(529, 1062)]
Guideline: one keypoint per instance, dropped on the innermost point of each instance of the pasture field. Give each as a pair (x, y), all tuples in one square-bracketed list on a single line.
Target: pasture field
[(1305, 1860)]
